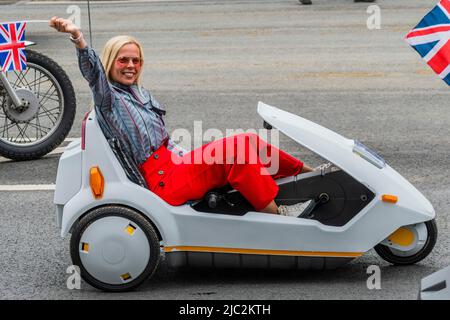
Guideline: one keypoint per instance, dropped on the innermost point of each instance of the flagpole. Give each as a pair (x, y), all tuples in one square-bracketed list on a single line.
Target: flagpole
[(27, 21), (89, 17)]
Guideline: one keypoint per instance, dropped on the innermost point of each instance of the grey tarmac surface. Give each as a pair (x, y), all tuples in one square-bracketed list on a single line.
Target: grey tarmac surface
[(213, 61)]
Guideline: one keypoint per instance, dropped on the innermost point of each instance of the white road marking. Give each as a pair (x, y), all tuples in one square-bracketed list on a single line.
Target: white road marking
[(27, 187), (71, 139), (34, 139), (34, 187), (58, 150)]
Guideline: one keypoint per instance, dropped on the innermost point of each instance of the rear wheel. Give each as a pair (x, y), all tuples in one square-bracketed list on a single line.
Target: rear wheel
[(116, 248), (409, 244)]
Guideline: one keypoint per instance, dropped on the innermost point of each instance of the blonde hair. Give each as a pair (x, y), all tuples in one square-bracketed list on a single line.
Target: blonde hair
[(112, 48)]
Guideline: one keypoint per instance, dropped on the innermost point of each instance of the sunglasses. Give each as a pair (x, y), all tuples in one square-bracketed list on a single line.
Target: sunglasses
[(126, 60)]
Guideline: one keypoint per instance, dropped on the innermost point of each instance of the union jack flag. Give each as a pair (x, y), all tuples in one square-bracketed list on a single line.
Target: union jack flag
[(12, 46), (430, 38)]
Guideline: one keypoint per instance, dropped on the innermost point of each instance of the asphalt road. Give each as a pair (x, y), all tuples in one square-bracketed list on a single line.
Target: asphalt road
[(213, 61)]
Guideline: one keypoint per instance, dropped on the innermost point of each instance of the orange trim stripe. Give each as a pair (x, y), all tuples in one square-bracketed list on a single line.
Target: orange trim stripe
[(266, 252)]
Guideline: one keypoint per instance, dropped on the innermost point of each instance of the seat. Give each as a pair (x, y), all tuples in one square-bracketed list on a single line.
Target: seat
[(220, 200), (126, 161)]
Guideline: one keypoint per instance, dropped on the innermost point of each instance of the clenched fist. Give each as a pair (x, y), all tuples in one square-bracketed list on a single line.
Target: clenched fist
[(65, 25)]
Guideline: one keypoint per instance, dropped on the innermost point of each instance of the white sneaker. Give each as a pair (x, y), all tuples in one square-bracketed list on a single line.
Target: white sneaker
[(325, 168), (293, 210)]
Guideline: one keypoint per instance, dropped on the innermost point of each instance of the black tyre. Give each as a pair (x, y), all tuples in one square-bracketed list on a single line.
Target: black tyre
[(36, 130), (110, 259), (391, 256)]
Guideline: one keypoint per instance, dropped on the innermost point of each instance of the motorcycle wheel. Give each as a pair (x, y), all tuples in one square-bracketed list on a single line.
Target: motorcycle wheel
[(36, 130)]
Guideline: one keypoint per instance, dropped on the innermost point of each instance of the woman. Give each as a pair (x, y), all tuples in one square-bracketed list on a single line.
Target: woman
[(136, 117)]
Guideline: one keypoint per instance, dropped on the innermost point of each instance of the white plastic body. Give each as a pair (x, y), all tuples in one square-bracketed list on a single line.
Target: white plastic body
[(183, 226)]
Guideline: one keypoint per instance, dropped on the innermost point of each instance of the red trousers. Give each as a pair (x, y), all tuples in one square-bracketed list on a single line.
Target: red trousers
[(245, 161)]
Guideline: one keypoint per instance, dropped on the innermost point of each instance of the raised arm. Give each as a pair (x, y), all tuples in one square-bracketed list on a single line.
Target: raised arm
[(90, 65)]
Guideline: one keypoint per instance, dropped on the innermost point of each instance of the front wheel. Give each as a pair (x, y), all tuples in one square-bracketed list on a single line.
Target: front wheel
[(409, 244), (115, 247), (34, 130)]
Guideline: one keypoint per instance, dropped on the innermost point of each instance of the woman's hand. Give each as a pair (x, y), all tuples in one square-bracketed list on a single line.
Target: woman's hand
[(66, 26)]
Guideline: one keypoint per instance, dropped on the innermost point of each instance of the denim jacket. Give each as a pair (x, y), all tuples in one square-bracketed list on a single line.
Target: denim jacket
[(130, 111)]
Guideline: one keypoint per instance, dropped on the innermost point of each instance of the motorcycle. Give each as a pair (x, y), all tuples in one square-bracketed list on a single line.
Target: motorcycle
[(37, 108)]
